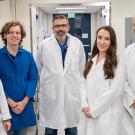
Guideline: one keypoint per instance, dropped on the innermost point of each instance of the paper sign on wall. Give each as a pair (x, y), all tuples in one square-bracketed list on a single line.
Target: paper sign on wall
[(84, 35)]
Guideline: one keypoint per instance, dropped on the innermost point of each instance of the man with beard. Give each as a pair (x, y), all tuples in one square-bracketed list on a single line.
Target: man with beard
[(60, 61)]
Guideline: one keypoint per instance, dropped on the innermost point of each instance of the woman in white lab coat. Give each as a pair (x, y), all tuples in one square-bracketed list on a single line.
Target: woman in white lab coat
[(102, 91), (4, 113)]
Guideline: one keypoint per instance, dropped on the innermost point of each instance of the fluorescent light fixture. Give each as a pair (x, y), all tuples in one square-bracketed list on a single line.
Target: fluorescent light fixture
[(70, 8), (73, 11)]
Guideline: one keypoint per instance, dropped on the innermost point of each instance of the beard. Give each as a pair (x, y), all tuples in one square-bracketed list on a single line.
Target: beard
[(60, 35)]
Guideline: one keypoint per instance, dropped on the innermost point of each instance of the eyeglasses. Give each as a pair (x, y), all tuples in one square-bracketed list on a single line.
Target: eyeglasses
[(14, 32), (60, 26)]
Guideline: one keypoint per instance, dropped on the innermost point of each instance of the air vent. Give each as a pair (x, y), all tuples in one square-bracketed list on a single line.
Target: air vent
[(70, 4)]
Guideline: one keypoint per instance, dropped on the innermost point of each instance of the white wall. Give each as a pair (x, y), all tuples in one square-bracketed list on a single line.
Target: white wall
[(93, 28), (50, 17), (62, 1), (23, 15), (119, 10), (34, 30), (5, 14)]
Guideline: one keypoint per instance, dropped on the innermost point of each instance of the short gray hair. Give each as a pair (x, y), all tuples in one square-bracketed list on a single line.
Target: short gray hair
[(59, 16)]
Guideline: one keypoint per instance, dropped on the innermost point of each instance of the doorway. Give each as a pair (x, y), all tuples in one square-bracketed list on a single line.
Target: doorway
[(80, 27)]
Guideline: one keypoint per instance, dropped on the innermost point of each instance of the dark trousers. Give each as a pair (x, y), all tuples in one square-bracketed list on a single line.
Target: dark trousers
[(68, 131), (18, 132)]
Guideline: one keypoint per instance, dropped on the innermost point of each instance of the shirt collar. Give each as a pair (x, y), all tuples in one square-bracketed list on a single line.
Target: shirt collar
[(4, 50), (95, 60)]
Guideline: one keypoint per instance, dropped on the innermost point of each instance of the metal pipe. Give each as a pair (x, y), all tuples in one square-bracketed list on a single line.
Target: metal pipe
[(13, 8)]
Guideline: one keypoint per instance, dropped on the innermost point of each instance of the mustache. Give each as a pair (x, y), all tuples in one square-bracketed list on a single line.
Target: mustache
[(60, 31)]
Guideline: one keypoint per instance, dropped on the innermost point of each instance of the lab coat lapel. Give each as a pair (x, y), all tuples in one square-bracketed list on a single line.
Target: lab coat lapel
[(95, 64), (57, 53), (69, 54)]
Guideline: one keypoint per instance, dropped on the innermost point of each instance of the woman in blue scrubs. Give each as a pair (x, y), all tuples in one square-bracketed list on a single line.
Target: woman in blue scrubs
[(18, 73)]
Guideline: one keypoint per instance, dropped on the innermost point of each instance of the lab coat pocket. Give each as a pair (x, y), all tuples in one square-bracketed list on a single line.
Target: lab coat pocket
[(48, 60), (48, 91), (103, 88), (74, 92), (75, 62), (100, 91), (47, 102)]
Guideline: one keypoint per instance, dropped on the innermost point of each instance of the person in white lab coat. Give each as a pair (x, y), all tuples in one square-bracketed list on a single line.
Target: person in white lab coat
[(102, 90), (129, 100), (133, 23), (60, 61), (5, 116)]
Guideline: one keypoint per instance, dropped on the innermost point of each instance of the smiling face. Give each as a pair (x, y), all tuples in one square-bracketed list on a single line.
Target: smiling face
[(60, 28), (13, 36), (103, 41), (133, 23)]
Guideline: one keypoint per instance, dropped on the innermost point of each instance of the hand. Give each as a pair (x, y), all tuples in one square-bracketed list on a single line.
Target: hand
[(19, 108), (11, 103), (86, 111), (133, 104), (7, 125)]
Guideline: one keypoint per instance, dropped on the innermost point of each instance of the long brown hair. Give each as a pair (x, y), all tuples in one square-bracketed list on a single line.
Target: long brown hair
[(111, 62)]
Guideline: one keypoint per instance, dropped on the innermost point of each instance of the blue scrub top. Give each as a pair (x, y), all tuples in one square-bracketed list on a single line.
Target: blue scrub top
[(19, 77), (63, 48)]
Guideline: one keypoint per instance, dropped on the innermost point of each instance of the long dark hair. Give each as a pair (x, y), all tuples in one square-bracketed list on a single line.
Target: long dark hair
[(111, 62)]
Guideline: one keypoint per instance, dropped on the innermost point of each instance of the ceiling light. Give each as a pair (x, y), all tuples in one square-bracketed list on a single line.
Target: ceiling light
[(77, 11), (70, 8)]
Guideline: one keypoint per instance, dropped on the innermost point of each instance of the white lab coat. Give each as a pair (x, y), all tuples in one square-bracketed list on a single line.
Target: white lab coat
[(104, 97), (59, 95), (4, 111), (129, 61)]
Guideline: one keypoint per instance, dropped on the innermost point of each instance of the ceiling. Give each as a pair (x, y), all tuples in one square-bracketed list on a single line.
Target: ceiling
[(71, 8)]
